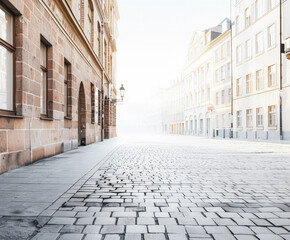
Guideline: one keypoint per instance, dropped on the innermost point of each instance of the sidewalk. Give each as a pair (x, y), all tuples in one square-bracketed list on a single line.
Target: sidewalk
[(27, 191)]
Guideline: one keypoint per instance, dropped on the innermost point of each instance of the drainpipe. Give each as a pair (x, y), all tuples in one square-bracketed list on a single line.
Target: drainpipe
[(232, 85), (281, 73)]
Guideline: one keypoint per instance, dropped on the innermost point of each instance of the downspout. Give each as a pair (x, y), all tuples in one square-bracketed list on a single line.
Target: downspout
[(232, 85), (281, 73)]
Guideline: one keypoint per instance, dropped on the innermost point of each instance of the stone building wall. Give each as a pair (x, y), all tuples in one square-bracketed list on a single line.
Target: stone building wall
[(25, 134)]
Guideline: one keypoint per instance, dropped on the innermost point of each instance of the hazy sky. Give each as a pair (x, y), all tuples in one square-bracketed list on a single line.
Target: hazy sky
[(154, 35)]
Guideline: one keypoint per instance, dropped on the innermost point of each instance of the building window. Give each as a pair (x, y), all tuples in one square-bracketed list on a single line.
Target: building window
[(239, 119), (223, 72), (99, 40), (272, 116), (238, 24), (249, 83), (90, 29), (249, 118), (43, 86), (99, 107), (248, 49), (66, 80), (93, 109), (217, 75), (271, 36), (272, 76), (239, 54), (223, 51), (239, 87), (217, 98), (247, 18), (259, 43), (105, 55), (216, 56), (272, 3), (259, 80), (258, 9), (259, 117), (229, 70), (230, 94), (7, 51), (217, 121), (223, 97)]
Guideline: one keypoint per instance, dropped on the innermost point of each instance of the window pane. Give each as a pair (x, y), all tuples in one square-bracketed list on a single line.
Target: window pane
[(43, 93), (6, 79), (6, 26), (43, 55)]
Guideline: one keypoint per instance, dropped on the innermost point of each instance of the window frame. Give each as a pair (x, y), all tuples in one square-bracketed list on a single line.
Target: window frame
[(249, 118), (272, 113), (11, 49), (44, 69), (260, 117)]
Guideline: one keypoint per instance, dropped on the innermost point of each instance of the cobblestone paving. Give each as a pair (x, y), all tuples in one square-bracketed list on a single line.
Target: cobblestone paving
[(154, 191)]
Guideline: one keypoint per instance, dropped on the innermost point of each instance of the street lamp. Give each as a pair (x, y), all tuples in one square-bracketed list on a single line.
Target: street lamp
[(122, 91), (122, 94)]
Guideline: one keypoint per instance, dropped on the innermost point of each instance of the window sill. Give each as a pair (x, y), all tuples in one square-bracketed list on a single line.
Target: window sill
[(249, 128), (46, 118), (12, 116), (68, 118), (272, 128), (260, 128), (239, 129)]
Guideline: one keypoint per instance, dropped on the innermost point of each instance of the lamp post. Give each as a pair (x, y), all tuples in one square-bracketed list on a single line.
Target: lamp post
[(122, 94)]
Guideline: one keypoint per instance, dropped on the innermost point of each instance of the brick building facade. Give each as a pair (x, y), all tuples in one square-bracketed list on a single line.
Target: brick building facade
[(57, 77)]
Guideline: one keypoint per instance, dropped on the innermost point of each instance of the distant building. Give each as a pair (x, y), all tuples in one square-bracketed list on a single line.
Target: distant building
[(173, 115), (207, 82)]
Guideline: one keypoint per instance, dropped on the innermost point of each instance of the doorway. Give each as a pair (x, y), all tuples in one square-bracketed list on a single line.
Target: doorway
[(81, 116)]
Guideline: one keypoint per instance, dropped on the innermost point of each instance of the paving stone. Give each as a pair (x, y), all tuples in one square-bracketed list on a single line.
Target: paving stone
[(104, 221), (72, 229), (62, 221), (177, 237), (132, 236), (136, 229), (92, 229), (93, 237), (71, 236), (113, 229), (156, 229), (154, 237), (145, 221), (45, 236)]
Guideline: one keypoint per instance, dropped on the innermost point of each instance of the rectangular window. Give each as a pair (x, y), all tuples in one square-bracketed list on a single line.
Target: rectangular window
[(239, 119), (239, 54), (217, 98), (230, 95), (259, 117), (223, 97), (100, 104), (247, 18), (249, 118), (271, 36), (7, 51), (249, 83), (217, 121), (258, 9), (66, 78), (238, 24), (43, 71), (272, 76), (93, 101), (223, 72), (259, 43), (248, 49), (217, 75), (239, 87), (272, 116), (229, 70), (259, 80)]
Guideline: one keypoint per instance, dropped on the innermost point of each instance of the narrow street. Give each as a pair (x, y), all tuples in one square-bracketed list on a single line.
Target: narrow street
[(170, 188)]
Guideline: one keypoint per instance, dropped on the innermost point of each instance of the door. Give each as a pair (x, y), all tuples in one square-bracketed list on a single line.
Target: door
[(81, 117)]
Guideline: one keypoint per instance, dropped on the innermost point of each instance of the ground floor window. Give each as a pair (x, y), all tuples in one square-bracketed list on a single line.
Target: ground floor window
[(272, 116), (239, 118), (259, 117), (249, 118)]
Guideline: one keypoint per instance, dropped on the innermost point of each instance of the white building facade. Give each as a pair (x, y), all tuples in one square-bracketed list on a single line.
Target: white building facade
[(256, 64), (207, 82)]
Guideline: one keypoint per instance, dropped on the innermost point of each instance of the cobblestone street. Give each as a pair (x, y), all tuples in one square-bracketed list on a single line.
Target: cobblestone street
[(178, 188)]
